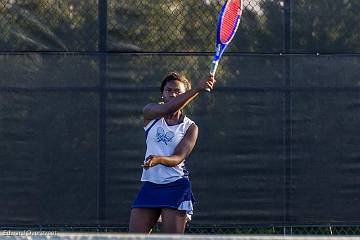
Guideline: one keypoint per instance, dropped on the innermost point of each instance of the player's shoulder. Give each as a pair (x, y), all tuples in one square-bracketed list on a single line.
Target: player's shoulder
[(191, 125), (187, 121), (194, 126), (192, 130)]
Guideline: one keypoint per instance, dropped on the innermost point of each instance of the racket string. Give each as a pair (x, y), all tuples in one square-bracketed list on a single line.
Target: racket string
[(231, 14)]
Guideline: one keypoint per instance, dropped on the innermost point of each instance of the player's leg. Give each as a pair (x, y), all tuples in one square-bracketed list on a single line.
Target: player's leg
[(173, 221), (142, 220)]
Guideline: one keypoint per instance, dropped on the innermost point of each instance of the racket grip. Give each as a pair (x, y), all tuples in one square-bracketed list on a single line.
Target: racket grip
[(213, 68)]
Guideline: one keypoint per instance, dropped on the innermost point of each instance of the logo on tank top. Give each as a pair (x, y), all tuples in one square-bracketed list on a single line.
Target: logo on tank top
[(161, 136)]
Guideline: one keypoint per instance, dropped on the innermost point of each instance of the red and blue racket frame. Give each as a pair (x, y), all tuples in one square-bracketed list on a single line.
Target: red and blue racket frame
[(228, 23)]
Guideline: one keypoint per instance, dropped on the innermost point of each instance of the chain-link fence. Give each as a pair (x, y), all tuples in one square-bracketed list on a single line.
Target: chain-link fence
[(178, 26), (76, 74)]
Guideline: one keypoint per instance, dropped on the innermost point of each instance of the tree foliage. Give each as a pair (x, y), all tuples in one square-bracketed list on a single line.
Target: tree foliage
[(180, 26)]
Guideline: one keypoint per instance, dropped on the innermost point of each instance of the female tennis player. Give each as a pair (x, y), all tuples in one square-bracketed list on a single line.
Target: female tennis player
[(170, 138)]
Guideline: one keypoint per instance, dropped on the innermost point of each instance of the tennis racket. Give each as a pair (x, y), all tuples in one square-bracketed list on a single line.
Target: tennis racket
[(228, 23)]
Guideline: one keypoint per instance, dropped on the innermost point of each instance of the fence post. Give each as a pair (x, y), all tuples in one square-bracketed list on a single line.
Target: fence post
[(102, 49), (287, 113)]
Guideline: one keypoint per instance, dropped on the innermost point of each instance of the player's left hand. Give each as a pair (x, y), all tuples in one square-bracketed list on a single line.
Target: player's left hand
[(151, 161)]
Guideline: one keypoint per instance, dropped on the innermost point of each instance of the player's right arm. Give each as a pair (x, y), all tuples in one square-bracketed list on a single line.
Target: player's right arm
[(157, 110)]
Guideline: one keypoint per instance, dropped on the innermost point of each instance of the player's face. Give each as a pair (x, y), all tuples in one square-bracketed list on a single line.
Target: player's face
[(173, 89)]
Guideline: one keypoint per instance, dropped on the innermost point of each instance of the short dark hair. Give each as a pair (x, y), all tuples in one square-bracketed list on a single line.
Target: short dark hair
[(174, 76)]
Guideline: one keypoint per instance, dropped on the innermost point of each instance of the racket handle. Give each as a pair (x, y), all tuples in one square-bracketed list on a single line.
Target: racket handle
[(213, 68)]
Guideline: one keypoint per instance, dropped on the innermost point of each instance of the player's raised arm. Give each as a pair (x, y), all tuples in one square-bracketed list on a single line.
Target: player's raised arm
[(175, 96)]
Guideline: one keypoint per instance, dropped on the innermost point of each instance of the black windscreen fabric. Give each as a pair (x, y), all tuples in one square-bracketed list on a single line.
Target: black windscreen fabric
[(325, 71), (49, 114), (237, 166), (125, 152), (49, 153), (268, 153), (36, 70), (325, 153), (278, 138), (324, 136)]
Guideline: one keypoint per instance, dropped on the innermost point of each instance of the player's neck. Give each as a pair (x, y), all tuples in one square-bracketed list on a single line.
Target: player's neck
[(174, 118)]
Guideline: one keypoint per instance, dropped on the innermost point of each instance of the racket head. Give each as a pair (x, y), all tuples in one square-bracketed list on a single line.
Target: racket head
[(229, 20)]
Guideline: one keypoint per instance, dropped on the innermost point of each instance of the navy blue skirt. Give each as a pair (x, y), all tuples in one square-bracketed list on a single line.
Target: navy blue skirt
[(175, 195)]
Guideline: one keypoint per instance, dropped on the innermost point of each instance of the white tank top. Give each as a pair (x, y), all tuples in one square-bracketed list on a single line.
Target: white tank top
[(162, 140)]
